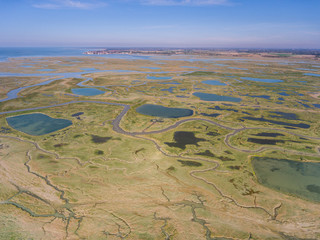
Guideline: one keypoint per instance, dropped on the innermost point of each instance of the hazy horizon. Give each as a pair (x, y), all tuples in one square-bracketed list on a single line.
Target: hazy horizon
[(161, 23)]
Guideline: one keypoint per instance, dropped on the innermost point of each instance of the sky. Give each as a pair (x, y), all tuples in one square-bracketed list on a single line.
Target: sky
[(160, 23)]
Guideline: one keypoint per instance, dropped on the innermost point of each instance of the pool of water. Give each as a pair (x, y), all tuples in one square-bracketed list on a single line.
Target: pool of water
[(181, 139), (214, 82), (316, 105), (312, 74), (259, 96), (286, 124), (262, 80), (158, 78), (87, 91), (169, 82), (301, 179), (89, 69), (237, 68), (152, 68), (165, 112), (170, 89), (307, 69), (215, 97), (37, 124), (46, 70), (284, 94)]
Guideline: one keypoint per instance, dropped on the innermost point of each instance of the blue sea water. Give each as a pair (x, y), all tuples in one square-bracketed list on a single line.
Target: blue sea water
[(11, 52)]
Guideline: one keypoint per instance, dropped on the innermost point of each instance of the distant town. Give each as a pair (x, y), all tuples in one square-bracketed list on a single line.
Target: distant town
[(271, 53)]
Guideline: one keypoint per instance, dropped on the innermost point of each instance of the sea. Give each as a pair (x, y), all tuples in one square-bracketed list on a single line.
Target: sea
[(12, 52)]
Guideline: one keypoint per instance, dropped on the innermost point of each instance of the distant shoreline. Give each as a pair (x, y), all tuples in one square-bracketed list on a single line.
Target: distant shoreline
[(264, 53)]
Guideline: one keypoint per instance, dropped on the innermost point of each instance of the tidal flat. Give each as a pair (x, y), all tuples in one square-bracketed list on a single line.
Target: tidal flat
[(186, 147)]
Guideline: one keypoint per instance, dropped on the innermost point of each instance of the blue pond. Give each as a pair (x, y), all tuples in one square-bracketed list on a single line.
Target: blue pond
[(214, 97), (152, 68), (214, 83), (87, 91), (307, 69), (316, 105), (165, 112), (37, 124), (237, 68), (158, 78), (262, 80), (301, 179), (312, 74)]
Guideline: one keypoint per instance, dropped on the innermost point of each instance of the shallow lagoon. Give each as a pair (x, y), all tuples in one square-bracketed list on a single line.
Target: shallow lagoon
[(214, 97), (87, 91), (37, 124), (165, 112), (301, 179), (214, 83)]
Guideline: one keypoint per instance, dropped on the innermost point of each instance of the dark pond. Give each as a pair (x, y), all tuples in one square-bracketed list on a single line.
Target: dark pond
[(165, 112), (224, 109), (214, 97), (170, 89), (37, 124), (298, 125), (301, 179), (181, 139), (259, 96), (284, 94), (265, 141), (214, 83), (87, 91), (77, 114), (185, 163), (284, 115), (305, 105), (266, 134), (210, 115)]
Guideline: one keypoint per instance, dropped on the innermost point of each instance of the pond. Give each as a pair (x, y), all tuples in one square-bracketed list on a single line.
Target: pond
[(158, 78), (215, 97), (312, 74), (214, 83), (301, 179), (165, 112), (287, 124), (87, 91), (182, 138), (152, 68), (262, 80), (170, 89), (37, 124)]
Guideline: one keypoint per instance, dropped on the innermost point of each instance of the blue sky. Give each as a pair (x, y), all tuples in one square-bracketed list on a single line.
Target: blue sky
[(161, 23)]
